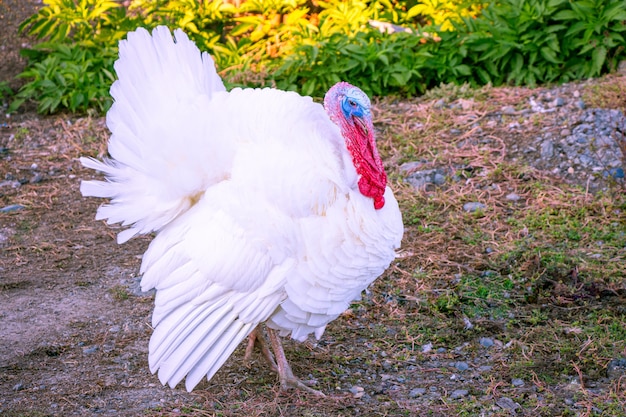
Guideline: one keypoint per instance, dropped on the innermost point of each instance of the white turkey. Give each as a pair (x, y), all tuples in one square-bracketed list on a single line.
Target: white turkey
[(267, 208)]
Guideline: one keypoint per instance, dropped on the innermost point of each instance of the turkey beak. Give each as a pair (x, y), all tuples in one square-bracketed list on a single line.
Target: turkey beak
[(362, 124)]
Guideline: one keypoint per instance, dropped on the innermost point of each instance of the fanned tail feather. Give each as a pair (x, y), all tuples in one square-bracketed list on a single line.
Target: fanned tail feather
[(164, 155)]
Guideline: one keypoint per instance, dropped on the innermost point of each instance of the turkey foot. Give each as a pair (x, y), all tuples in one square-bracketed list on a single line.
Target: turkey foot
[(285, 374), (256, 338)]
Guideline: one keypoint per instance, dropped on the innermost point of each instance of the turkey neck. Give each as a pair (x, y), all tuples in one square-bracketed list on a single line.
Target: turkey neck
[(358, 132)]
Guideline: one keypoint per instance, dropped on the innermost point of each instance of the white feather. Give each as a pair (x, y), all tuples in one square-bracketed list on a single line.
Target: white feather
[(254, 198)]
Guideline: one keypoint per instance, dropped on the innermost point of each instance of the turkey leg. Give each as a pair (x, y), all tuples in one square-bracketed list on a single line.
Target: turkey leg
[(256, 338), (285, 374)]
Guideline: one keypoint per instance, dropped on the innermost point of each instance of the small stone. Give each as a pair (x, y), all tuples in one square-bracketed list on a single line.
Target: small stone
[(486, 342), (547, 149), (580, 104), (617, 173), (10, 183), (455, 132), (357, 391), (439, 179), (440, 104), (586, 160), (488, 250), (11, 208), (427, 347), (570, 170), (410, 166), (90, 350), (616, 369), (459, 393), (508, 110), (473, 206), (516, 382), (565, 132), (18, 387), (512, 197), (507, 404), (461, 366), (417, 392), (37, 178)]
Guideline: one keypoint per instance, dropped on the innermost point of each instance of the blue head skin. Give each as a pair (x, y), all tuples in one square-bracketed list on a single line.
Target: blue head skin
[(355, 105)]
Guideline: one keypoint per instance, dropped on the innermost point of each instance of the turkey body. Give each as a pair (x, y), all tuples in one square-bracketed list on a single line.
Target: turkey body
[(255, 200)]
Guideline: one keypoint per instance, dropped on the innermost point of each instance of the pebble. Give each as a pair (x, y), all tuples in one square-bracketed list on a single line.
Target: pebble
[(461, 366), (10, 183), (547, 149), (440, 104), (11, 208), (417, 392), (90, 350), (486, 342), (473, 206), (357, 391), (517, 382), (459, 393), (420, 179), (617, 173), (507, 404), (588, 147), (616, 369), (508, 110), (513, 197)]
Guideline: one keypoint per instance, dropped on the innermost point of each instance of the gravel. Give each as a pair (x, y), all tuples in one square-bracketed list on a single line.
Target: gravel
[(582, 145)]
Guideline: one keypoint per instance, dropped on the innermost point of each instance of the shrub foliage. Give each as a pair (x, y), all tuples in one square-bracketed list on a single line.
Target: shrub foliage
[(307, 46)]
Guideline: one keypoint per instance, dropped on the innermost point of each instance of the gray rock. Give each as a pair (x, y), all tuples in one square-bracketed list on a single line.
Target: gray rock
[(616, 368), (459, 393), (547, 149), (507, 404), (420, 179), (439, 179), (417, 392), (486, 342), (10, 183), (90, 350), (11, 208), (517, 382), (512, 197), (508, 110), (461, 366), (473, 206)]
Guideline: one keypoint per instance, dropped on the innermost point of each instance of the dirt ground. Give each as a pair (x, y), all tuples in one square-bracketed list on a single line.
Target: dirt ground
[(74, 325)]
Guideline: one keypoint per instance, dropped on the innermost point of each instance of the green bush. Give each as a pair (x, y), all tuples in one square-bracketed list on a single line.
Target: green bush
[(539, 41), (376, 62), (74, 77), (308, 46)]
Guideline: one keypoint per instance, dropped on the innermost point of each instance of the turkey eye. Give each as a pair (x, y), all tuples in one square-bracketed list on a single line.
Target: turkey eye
[(352, 103)]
